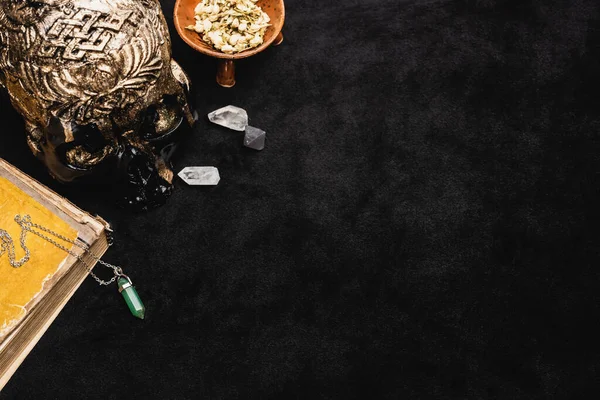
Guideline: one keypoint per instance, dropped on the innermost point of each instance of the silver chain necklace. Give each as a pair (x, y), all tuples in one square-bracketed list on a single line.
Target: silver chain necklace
[(7, 245)]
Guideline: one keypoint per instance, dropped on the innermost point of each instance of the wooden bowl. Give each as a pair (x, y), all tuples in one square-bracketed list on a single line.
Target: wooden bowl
[(184, 16)]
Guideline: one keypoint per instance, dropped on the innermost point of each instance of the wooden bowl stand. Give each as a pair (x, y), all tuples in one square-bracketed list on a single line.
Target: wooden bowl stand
[(226, 67), (184, 16)]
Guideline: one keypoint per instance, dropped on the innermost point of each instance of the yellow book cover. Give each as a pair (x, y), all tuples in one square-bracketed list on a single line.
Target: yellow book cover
[(22, 288), (32, 296)]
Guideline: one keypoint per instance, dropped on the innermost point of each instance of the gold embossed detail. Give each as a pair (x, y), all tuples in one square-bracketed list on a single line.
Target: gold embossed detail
[(86, 31)]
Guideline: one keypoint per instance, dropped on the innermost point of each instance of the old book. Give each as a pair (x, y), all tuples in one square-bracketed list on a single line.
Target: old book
[(32, 296)]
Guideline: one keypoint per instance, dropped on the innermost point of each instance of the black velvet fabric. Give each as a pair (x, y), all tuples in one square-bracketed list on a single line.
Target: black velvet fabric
[(421, 224)]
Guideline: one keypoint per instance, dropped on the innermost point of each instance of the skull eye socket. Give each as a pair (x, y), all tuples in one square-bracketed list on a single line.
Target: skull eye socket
[(162, 119), (88, 148)]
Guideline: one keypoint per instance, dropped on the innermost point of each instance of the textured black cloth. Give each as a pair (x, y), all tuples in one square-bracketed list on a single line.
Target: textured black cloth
[(421, 224)]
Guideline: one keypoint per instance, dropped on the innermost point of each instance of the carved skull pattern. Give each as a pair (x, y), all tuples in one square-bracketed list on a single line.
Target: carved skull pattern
[(99, 92)]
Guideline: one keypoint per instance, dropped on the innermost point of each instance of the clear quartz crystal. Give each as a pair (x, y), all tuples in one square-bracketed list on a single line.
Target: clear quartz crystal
[(231, 117), (200, 175), (254, 138)]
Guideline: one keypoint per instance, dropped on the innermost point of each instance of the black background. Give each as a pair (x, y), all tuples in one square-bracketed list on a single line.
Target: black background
[(421, 224)]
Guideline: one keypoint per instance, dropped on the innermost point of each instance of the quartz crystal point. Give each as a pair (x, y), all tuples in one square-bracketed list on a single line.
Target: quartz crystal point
[(254, 138), (200, 176), (231, 117), (131, 297)]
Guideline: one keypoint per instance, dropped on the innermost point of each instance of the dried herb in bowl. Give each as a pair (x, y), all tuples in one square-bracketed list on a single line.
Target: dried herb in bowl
[(231, 26)]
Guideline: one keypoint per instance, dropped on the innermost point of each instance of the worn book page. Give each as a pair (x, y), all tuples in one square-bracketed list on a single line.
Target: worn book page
[(21, 288)]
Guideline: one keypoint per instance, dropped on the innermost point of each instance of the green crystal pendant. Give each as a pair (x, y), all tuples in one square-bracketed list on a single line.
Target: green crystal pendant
[(131, 297)]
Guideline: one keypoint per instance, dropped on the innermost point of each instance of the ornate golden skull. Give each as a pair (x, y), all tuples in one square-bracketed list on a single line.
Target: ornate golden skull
[(99, 92)]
